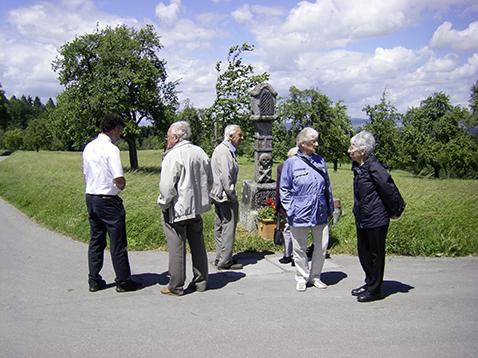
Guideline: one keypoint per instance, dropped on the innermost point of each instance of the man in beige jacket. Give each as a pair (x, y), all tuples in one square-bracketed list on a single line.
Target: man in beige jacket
[(184, 188), (225, 170)]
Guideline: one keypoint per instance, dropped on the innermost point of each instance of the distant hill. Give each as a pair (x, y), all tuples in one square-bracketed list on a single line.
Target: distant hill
[(358, 122)]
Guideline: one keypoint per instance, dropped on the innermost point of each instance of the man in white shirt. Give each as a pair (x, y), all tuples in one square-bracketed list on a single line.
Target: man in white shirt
[(104, 181), (184, 188)]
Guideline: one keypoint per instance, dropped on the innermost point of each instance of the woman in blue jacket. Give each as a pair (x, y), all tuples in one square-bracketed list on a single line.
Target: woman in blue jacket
[(374, 192), (306, 196)]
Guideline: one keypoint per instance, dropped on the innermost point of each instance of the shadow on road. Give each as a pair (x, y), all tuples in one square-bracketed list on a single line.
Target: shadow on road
[(218, 280), (151, 279), (391, 287), (251, 258), (332, 277)]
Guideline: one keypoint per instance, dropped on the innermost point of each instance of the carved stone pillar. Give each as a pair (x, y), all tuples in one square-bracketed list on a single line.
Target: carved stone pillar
[(256, 191)]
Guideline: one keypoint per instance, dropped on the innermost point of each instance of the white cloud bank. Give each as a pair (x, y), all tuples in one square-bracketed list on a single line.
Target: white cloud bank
[(310, 44)]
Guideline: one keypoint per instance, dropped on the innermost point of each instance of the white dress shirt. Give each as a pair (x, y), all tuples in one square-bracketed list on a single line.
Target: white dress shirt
[(101, 165)]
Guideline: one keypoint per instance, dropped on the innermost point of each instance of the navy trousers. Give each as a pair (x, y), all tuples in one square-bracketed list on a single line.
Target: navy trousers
[(106, 214), (371, 252)]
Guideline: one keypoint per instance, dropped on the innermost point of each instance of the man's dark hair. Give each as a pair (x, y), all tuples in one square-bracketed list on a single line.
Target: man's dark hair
[(111, 121)]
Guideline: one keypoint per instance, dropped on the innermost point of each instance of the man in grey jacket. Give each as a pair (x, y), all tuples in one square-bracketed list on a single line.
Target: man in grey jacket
[(225, 170), (186, 181)]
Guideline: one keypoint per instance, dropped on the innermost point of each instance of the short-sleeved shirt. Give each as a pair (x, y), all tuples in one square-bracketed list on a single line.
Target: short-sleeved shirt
[(101, 165)]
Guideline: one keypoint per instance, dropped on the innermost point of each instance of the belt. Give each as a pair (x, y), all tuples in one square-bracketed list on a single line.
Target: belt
[(104, 196)]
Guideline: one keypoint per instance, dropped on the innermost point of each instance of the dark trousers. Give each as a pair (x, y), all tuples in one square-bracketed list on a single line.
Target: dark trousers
[(106, 214), (371, 252), (177, 234)]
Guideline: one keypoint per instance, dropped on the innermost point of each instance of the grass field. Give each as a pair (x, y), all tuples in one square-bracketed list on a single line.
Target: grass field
[(440, 219)]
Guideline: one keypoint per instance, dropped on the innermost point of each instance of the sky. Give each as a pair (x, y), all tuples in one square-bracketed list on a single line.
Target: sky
[(350, 50)]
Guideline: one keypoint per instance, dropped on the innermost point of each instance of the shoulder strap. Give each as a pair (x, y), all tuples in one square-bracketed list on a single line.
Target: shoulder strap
[(326, 190)]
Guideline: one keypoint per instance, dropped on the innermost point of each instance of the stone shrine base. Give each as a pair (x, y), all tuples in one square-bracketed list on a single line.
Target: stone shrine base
[(254, 197)]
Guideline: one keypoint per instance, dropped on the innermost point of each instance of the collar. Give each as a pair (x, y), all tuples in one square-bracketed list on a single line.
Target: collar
[(177, 145), (232, 149), (103, 136)]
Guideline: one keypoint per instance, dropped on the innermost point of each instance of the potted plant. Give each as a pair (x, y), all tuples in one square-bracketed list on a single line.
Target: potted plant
[(266, 217)]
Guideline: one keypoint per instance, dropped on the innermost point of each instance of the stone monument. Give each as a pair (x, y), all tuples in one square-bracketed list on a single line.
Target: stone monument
[(256, 191)]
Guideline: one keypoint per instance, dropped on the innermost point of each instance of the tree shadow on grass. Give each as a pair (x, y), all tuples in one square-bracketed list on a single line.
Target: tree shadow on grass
[(144, 170)]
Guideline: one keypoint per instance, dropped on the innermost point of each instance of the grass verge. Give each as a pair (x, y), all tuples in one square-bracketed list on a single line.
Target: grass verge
[(440, 218)]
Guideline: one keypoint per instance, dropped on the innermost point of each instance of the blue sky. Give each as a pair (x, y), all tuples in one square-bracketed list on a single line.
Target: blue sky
[(351, 50)]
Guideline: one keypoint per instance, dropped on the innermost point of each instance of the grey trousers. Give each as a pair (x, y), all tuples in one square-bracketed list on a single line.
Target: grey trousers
[(225, 230), (177, 234)]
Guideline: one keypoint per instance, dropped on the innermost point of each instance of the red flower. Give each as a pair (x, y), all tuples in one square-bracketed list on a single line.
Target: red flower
[(271, 202)]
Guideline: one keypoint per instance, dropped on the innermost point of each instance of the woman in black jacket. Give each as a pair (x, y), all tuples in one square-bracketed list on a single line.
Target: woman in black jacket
[(373, 193)]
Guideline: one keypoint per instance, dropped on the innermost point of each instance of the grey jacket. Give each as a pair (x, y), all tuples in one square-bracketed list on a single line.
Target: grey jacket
[(186, 181), (224, 171)]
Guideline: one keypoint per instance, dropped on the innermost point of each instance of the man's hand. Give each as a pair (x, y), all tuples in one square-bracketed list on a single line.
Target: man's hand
[(120, 182)]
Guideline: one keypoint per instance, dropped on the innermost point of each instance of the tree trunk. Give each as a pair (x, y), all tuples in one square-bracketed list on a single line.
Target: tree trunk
[(133, 153), (436, 171), (335, 164)]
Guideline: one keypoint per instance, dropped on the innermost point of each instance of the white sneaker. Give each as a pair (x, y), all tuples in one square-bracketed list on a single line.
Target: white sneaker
[(317, 283), (301, 286)]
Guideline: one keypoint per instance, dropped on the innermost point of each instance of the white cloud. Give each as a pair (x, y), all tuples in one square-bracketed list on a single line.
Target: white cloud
[(446, 37), (168, 14), (33, 34)]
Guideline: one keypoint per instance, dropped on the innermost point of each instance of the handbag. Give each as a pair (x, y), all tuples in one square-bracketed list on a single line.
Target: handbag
[(278, 235)]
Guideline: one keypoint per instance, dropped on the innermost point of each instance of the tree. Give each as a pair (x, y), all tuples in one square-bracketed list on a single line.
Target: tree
[(13, 139), (232, 104), (383, 120), (37, 135), (4, 115), (21, 111), (434, 138), (114, 70), (310, 108)]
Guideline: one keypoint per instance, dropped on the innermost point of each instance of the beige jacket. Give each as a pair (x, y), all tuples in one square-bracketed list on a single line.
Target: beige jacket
[(224, 171), (185, 183)]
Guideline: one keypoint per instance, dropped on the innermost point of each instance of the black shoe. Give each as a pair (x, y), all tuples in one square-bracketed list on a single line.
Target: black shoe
[(292, 263), (231, 266), (359, 291), (128, 286), (97, 286), (285, 260), (369, 297)]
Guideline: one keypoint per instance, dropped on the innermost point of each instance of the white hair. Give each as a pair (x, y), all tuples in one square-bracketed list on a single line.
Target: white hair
[(305, 135), (364, 141), (181, 129), (292, 151), (230, 130)]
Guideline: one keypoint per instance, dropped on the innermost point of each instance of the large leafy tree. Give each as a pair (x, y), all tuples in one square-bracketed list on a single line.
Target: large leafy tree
[(113, 70), (433, 137), (311, 108), (382, 123), (235, 81)]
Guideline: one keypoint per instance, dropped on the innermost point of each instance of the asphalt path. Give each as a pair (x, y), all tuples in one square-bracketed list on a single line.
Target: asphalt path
[(46, 310)]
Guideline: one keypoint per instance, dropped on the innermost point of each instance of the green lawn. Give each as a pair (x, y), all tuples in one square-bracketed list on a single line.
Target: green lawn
[(440, 219)]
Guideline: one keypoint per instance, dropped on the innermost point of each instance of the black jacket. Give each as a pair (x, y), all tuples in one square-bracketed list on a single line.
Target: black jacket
[(373, 193)]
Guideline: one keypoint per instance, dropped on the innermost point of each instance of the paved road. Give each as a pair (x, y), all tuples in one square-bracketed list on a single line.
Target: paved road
[(46, 310)]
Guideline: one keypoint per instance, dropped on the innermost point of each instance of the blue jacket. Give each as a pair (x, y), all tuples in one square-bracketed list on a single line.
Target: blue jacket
[(302, 191)]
